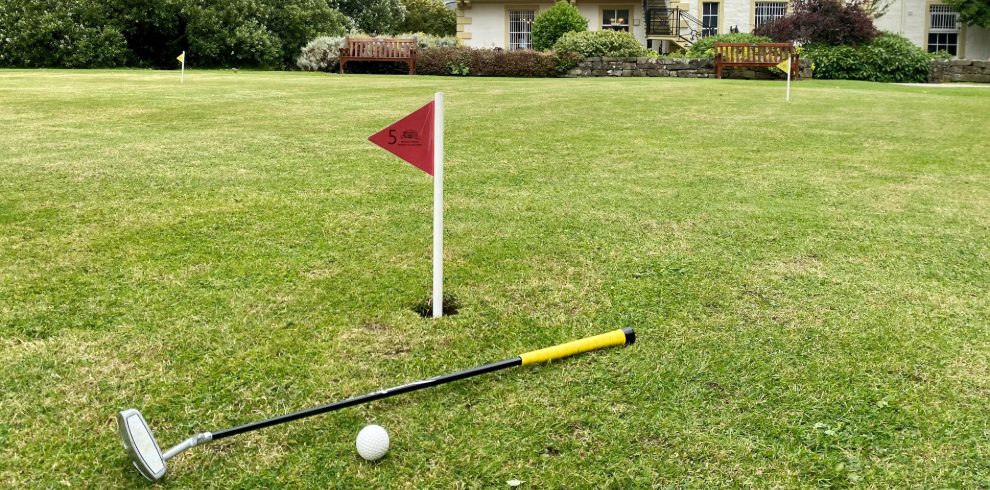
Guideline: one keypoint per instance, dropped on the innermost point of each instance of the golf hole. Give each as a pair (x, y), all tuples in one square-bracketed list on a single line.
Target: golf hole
[(450, 306)]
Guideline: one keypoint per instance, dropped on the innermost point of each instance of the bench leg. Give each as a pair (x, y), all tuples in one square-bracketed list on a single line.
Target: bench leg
[(718, 72), (412, 66), (342, 64)]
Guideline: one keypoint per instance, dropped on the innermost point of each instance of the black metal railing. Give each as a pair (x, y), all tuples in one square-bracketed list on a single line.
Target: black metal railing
[(673, 22)]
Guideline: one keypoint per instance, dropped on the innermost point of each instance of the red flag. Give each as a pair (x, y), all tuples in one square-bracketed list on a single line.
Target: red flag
[(410, 138)]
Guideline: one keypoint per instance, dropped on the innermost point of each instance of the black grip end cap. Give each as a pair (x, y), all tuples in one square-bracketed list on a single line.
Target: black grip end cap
[(630, 335)]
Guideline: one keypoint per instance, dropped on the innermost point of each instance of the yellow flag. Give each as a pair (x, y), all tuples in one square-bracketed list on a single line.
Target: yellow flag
[(182, 57), (785, 66)]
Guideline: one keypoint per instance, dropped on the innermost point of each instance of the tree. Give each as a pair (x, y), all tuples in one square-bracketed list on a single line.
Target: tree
[(830, 22), (265, 33), (374, 16), (297, 22), (429, 17), (976, 12), (78, 34), (554, 22)]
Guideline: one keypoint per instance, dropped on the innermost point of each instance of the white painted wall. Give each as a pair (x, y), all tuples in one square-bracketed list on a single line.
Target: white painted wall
[(907, 18), (737, 14), (977, 43)]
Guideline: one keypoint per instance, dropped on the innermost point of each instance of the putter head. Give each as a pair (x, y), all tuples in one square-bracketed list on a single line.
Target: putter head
[(140, 444)]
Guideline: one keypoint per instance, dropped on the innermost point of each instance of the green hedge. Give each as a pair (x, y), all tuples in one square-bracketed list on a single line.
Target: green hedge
[(705, 47), (889, 58), (600, 43), (486, 62)]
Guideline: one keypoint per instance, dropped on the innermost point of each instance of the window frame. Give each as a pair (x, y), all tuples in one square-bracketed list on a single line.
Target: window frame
[(718, 18), (768, 4), (942, 34), (602, 26), (509, 10)]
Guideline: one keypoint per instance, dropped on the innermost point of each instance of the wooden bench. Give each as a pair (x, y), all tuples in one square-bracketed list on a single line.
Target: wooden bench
[(756, 55), (371, 49)]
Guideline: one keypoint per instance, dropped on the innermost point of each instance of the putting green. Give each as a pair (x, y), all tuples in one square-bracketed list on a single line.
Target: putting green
[(807, 280)]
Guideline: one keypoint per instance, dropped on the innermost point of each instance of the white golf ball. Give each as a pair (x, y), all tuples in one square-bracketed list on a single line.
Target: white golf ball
[(372, 442)]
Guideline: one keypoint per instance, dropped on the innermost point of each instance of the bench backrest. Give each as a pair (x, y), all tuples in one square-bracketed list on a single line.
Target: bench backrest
[(379, 48), (768, 53)]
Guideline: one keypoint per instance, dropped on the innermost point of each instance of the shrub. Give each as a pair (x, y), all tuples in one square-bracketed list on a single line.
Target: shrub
[(320, 54), (485, 62), (600, 43), (428, 16), (831, 22), (705, 47), (551, 24), (424, 40), (889, 58)]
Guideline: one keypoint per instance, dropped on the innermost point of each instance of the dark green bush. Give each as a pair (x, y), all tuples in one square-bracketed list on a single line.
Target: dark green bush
[(705, 47), (600, 43), (41, 33), (551, 24), (485, 62), (103, 33), (889, 58)]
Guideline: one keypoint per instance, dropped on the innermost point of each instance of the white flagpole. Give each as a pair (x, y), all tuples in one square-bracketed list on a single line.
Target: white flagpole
[(789, 68), (438, 205), (182, 73)]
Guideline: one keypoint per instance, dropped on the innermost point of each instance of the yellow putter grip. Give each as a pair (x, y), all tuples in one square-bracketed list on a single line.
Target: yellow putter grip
[(611, 339)]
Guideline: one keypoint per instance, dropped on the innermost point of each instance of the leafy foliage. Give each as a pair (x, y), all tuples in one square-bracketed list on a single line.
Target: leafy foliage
[(551, 24), (486, 62), (705, 47), (889, 58), (831, 22), (429, 17), (38, 33), (374, 16), (975, 12), (600, 43), (95, 33)]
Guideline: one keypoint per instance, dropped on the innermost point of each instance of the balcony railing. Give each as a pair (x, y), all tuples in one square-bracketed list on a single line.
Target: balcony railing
[(674, 23)]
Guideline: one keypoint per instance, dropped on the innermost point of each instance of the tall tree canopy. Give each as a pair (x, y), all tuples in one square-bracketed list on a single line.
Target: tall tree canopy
[(430, 17)]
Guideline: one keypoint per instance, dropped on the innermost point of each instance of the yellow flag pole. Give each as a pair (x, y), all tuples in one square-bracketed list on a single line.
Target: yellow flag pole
[(788, 99), (182, 71)]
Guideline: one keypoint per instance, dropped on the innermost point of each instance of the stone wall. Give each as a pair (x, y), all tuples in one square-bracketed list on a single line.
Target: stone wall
[(959, 71), (670, 67)]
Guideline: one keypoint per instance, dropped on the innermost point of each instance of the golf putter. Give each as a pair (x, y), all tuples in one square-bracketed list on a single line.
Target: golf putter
[(150, 461)]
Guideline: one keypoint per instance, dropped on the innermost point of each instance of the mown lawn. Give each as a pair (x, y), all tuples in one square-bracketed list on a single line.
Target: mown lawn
[(808, 280)]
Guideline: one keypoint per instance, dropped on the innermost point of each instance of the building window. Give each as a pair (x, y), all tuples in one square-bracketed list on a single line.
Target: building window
[(943, 29), (709, 19), (769, 11), (521, 29), (616, 20)]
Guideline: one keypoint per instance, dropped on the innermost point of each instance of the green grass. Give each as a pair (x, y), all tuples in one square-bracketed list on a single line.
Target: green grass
[(808, 280)]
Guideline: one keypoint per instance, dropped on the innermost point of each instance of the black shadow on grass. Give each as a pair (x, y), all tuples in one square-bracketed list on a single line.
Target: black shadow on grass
[(450, 306)]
